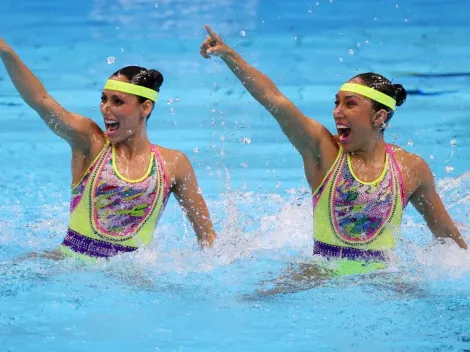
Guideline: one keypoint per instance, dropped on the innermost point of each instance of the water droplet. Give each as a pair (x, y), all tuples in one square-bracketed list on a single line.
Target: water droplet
[(317, 3), (122, 50), (358, 45), (110, 60), (117, 27), (406, 20), (340, 59), (172, 111), (449, 169), (199, 190), (453, 143), (309, 11), (367, 42), (410, 142), (169, 101), (156, 4), (351, 52), (196, 150), (278, 184), (431, 157), (245, 165), (396, 6), (246, 140), (242, 33)]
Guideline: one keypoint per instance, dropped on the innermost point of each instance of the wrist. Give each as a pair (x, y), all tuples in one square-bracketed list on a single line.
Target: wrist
[(229, 55)]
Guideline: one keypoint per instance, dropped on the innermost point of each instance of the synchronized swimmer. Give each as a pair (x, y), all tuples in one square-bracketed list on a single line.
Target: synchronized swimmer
[(360, 184), (121, 182)]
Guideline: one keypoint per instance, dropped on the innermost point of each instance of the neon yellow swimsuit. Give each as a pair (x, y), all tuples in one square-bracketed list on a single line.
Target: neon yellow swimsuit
[(110, 214), (358, 220)]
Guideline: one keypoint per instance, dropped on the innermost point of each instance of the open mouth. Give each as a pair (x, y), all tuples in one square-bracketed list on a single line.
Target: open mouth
[(111, 127), (343, 132)]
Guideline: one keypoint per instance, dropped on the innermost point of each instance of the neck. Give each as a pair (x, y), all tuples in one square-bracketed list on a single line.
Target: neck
[(373, 152), (134, 146)]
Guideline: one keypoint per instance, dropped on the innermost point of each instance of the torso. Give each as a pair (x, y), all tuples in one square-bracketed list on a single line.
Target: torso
[(122, 199), (351, 212), (334, 235)]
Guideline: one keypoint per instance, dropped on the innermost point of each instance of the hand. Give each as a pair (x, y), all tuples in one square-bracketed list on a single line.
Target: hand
[(213, 45)]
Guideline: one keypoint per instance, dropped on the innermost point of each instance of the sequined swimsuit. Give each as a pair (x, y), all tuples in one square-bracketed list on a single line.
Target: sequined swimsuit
[(110, 214)]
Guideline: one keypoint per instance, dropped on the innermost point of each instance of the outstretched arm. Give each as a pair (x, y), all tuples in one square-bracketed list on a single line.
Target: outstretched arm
[(426, 200), (73, 128), (187, 193), (305, 134)]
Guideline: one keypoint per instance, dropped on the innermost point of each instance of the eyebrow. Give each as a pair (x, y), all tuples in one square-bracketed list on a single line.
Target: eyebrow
[(112, 95), (347, 96)]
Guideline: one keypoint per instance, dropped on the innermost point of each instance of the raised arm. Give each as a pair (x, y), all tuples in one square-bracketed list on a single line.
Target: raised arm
[(428, 203), (73, 128), (187, 193), (304, 133)]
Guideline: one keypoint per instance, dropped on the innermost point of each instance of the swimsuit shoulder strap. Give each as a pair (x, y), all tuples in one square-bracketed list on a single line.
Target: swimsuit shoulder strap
[(161, 164), (396, 168)]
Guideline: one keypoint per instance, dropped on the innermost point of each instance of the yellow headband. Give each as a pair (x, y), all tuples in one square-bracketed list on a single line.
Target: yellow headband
[(370, 93), (130, 88)]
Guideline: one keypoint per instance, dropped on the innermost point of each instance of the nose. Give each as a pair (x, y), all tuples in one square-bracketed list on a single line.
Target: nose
[(105, 108), (338, 111)]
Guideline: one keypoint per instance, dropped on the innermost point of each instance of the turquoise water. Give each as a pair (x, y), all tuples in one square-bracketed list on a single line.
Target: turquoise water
[(172, 297)]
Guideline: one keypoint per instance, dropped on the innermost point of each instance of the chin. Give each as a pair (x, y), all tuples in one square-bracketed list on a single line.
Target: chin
[(114, 139), (348, 147)]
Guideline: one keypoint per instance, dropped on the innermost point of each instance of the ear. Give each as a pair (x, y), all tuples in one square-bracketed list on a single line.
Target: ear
[(146, 108), (379, 117)]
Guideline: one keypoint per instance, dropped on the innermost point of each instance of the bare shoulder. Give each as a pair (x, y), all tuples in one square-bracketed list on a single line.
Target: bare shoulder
[(412, 165), (175, 161), (172, 156)]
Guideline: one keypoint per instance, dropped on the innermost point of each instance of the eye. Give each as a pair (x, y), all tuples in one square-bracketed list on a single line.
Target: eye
[(336, 103), (351, 103), (103, 99), (118, 101)]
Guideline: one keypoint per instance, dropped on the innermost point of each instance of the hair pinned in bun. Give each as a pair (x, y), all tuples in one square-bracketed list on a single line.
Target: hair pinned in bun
[(400, 94)]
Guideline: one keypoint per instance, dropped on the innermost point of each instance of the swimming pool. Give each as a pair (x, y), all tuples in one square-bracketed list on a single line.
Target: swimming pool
[(172, 297)]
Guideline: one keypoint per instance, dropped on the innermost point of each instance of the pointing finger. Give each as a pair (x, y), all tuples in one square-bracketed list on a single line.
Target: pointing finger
[(211, 33)]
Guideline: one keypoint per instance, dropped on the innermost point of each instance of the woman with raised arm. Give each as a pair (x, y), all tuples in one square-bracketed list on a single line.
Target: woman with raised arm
[(120, 180), (360, 184)]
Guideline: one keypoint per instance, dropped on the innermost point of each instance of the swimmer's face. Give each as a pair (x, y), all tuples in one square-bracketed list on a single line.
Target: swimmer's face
[(124, 116), (356, 121)]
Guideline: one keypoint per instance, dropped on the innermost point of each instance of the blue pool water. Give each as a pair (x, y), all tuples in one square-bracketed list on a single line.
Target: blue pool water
[(172, 297)]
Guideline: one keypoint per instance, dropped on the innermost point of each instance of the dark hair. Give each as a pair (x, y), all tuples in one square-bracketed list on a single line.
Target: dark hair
[(380, 83), (140, 76)]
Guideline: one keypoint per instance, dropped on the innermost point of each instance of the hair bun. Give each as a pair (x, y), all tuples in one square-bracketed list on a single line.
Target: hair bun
[(400, 94), (155, 79)]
